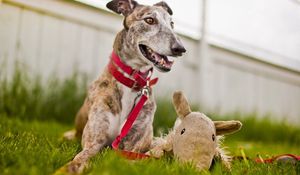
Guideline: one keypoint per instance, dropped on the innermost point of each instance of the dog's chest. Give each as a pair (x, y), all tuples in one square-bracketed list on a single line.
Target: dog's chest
[(128, 101)]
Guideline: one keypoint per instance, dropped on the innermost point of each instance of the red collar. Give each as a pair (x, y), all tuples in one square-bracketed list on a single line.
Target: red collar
[(133, 79)]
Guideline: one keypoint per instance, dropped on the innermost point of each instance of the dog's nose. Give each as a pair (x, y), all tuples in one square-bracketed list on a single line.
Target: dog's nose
[(177, 49)]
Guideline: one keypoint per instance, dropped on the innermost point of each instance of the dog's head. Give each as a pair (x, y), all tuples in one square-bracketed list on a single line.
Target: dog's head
[(150, 37)]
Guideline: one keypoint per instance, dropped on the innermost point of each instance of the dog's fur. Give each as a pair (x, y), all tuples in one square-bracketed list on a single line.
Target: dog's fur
[(109, 102)]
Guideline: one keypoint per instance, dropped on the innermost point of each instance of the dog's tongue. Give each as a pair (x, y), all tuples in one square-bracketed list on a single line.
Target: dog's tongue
[(157, 58)]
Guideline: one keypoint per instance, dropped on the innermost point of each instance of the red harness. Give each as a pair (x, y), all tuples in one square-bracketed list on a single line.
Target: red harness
[(138, 81), (273, 159), (135, 79)]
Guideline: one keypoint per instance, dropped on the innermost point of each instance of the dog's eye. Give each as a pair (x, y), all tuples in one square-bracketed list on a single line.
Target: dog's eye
[(213, 137), (172, 25), (149, 20), (182, 131)]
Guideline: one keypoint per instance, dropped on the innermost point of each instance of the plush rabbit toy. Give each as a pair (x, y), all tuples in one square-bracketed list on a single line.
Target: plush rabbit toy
[(195, 137)]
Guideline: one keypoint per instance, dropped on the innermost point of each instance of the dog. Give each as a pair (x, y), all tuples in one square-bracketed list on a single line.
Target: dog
[(147, 40)]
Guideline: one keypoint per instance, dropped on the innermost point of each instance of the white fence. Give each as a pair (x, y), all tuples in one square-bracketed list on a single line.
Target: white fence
[(55, 36)]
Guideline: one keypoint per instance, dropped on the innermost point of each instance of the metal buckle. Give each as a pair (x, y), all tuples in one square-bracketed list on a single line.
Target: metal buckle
[(146, 91)]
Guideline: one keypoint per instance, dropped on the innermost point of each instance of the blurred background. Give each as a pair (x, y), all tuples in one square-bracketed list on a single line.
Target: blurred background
[(242, 62), (243, 56)]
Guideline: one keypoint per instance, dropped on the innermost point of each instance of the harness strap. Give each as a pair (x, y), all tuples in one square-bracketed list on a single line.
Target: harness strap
[(271, 160), (119, 63), (138, 80), (119, 76), (127, 126)]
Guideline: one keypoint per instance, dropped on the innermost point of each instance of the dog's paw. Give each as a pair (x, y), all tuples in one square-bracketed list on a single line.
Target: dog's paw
[(71, 168), (75, 167), (62, 171), (157, 153)]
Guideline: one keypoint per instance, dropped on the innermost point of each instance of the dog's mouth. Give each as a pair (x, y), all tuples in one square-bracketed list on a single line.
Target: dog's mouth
[(161, 62)]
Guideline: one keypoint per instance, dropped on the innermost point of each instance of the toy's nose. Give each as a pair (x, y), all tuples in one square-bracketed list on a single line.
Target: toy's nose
[(177, 49)]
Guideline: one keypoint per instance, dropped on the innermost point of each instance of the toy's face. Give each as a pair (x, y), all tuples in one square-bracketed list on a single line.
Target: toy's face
[(195, 134), (195, 140)]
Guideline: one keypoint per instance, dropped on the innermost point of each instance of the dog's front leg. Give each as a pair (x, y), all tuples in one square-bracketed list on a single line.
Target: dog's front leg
[(94, 138), (161, 144), (140, 136)]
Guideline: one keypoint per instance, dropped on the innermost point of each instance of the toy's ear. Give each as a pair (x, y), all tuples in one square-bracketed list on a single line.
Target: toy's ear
[(181, 104), (227, 127), (124, 7)]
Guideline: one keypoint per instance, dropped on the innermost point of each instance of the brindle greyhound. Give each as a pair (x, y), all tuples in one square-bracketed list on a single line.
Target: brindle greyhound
[(147, 39)]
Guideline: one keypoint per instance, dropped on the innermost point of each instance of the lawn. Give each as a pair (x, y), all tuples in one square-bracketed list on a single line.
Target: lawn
[(33, 117), (36, 147)]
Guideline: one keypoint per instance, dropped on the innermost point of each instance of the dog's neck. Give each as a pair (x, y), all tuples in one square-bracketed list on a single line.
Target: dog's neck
[(124, 49)]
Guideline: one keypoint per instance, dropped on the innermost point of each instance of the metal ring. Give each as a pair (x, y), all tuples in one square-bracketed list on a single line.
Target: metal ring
[(145, 91)]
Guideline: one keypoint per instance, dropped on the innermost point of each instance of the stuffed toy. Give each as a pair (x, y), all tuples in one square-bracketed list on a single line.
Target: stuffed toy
[(195, 138)]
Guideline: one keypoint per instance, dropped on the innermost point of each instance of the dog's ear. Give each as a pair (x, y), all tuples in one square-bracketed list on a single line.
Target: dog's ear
[(165, 6), (124, 7), (227, 127), (181, 104)]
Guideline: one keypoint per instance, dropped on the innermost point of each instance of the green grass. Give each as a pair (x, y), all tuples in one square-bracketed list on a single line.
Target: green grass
[(36, 147), (34, 113), (31, 97)]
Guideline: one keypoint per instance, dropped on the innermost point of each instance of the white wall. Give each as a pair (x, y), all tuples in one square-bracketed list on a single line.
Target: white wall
[(244, 84), (53, 37)]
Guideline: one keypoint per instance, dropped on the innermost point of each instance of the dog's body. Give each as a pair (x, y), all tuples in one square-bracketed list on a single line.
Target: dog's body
[(146, 40)]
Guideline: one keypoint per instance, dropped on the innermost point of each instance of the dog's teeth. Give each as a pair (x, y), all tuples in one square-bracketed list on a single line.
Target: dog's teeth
[(149, 50), (162, 62), (171, 59)]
